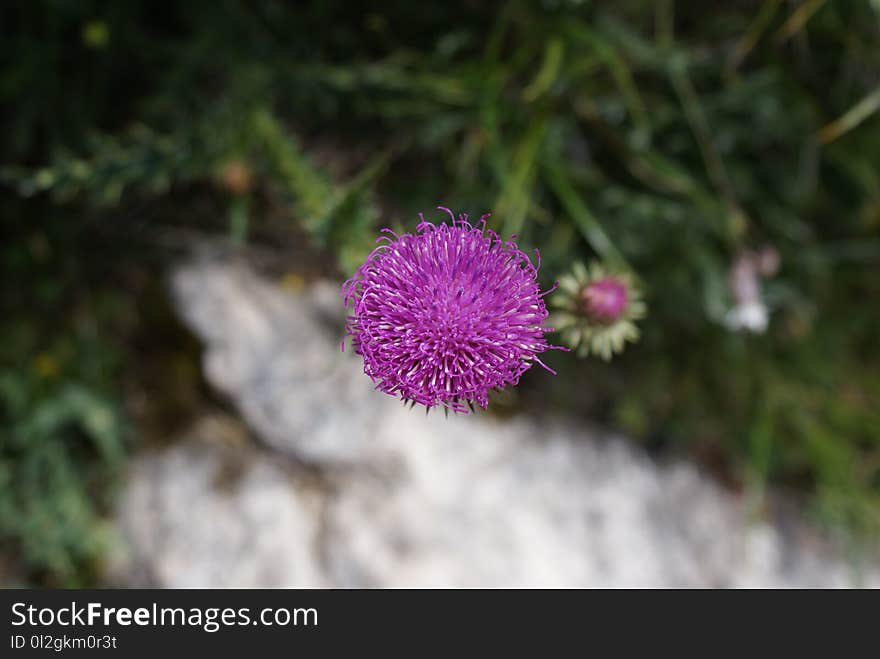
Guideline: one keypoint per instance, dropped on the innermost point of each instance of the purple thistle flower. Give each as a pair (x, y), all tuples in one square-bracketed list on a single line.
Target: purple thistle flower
[(605, 299), (445, 315)]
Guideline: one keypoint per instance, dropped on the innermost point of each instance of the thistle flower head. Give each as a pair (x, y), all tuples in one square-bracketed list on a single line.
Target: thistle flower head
[(597, 310), (605, 299), (445, 315)]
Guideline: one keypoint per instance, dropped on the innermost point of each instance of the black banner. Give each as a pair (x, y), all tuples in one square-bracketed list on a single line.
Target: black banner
[(141, 622)]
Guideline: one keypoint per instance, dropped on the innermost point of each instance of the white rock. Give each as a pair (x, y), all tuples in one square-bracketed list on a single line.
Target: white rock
[(410, 500), (277, 357), (204, 513)]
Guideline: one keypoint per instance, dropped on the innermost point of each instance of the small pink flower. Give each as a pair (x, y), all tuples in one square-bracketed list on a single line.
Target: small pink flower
[(597, 310), (605, 299), (749, 311)]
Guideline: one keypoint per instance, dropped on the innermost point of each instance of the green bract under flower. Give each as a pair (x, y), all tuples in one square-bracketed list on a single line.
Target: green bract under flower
[(595, 310)]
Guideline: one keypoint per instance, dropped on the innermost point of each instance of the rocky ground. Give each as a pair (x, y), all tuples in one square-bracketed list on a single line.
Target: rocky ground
[(317, 480)]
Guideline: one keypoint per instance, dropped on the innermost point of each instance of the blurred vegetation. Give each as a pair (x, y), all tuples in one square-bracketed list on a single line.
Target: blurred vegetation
[(661, 137)]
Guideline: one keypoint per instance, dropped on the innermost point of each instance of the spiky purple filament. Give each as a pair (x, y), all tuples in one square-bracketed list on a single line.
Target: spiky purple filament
[(445, 315)]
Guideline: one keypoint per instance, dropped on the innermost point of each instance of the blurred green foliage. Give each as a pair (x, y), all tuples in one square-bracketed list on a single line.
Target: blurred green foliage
[(60, 443), (662, 137), (62, 440)]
